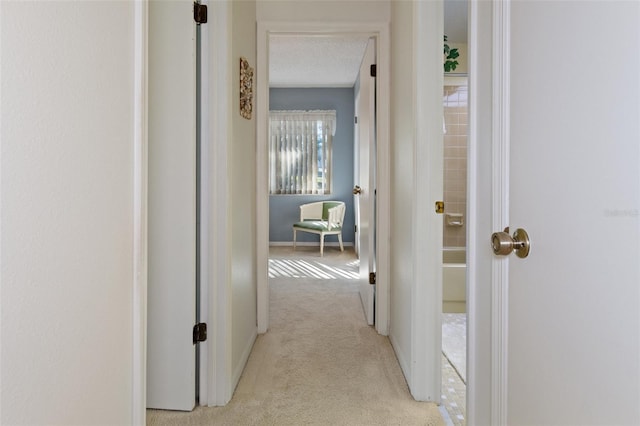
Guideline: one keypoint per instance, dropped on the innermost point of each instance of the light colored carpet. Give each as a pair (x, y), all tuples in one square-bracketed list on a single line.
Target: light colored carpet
[(454, 342), (319, 364)]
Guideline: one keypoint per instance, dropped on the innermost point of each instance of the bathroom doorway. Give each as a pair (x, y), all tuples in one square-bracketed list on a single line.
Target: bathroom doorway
[(454, 262), (454, 241)]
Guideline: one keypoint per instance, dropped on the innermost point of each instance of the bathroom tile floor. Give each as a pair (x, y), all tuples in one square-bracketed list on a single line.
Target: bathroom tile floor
[(454, 394), (454, 349)]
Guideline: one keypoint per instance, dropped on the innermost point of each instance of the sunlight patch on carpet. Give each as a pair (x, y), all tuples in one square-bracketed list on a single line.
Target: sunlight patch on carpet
[(300, 268)]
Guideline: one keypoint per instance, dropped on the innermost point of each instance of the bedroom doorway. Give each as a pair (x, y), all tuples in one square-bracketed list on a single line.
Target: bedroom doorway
[(266, 36), (341, 94)]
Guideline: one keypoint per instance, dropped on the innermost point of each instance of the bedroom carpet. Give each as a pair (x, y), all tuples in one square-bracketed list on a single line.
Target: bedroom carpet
[(319, 364)]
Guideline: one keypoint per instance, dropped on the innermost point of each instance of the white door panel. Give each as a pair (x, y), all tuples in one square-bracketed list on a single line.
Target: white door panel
[(356, 173), (172, 206), (365, 179), (574, 327)]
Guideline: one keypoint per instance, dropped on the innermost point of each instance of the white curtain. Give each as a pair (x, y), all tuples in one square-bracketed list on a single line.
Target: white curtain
[(294, 155)]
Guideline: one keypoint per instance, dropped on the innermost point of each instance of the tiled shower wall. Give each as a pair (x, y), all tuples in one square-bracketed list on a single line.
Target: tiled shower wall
[(455, 163)]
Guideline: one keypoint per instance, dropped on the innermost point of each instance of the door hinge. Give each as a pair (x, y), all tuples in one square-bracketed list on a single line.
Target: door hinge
[(355, 120), (200, 13), (439, 207), (372, 277), (374, 70), (199, 332), (355, 228)]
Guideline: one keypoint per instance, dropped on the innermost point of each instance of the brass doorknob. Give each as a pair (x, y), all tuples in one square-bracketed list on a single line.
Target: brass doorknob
[(503, 243), (357, 190)]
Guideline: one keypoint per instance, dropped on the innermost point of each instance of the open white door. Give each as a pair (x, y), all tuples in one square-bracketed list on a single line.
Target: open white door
[(571, 307), (171, 354), (364, 191), (356, 172)]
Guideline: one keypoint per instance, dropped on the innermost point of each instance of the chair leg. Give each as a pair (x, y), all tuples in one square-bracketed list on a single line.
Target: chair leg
[(340, 240), (321, 245), (294, 239)]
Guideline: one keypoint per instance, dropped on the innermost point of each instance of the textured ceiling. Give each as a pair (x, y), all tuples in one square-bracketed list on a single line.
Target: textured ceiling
[(334, 60), (315, 61)]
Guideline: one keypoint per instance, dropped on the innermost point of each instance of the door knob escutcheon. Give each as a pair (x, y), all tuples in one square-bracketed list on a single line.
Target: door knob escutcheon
[(503, 243)]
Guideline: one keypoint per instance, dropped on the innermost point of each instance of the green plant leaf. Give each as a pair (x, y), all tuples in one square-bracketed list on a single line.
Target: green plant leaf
[(450, 66), (450, 63)]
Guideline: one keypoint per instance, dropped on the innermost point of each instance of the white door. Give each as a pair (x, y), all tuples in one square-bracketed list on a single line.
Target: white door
[(356, 172), (172, 206), (573, 304), (364, 199)]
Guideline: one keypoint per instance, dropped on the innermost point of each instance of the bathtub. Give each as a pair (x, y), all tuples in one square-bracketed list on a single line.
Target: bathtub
[(454, 280)]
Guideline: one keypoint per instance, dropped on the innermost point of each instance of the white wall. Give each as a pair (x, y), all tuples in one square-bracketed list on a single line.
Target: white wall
[(242, 162), (417, 182), (67, 212), (402, 150), (323, 10)]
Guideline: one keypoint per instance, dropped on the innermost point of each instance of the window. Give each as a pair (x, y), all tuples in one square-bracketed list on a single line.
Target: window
[(300, 151)]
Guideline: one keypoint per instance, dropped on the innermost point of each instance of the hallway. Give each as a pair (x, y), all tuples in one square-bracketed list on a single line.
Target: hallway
[(319, 363)]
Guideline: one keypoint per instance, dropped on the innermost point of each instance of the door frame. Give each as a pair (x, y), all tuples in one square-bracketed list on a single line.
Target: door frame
[(488, 178), (216, 387), (381, 32), (140, 185)]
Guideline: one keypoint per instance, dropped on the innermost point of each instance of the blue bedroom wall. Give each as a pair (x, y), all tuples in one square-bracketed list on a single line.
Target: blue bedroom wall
[(284, 209)]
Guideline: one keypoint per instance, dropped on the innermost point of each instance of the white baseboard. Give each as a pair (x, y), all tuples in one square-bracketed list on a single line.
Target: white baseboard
[(402, 359), (307, 244), (243, 360)]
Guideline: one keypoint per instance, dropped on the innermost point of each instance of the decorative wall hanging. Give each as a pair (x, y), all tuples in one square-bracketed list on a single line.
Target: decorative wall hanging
[(246, 89)]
